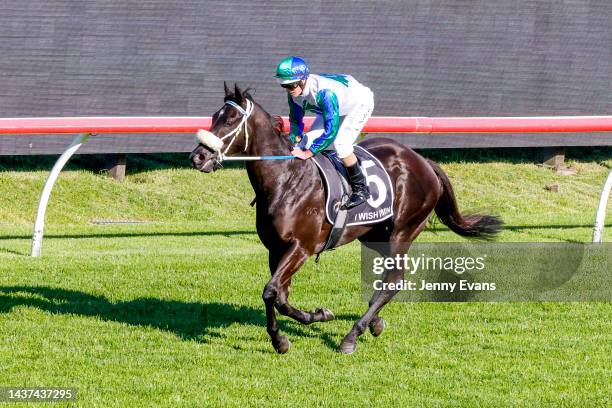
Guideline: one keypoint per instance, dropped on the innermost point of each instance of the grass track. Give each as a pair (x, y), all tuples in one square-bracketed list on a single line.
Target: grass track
[(169, 313)]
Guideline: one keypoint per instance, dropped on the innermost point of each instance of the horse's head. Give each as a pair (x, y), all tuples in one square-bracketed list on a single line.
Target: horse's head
[(229, 133)]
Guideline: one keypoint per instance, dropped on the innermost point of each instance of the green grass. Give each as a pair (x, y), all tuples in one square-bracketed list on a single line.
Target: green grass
[(169, 313)]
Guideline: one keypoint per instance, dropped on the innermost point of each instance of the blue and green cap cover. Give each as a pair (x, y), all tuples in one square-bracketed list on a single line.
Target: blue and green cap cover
[(291, 69)]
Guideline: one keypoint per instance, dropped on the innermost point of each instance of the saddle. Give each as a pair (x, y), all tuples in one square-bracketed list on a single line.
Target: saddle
[(377, 208)]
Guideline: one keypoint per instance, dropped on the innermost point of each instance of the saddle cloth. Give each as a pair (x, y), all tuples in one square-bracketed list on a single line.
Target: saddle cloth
[(378, 207)]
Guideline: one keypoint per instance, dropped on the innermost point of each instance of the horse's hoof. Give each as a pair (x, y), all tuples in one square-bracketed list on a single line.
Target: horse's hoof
[(377, 326), (348, 347), (283, 345), (327, 314)]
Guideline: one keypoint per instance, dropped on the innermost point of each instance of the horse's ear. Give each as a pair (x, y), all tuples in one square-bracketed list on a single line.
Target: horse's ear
[(226, 88), (238, 94)]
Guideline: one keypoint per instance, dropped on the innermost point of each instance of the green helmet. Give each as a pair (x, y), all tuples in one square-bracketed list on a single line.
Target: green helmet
[(291, 69)]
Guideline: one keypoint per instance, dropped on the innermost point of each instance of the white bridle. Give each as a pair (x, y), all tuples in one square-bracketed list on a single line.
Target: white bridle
[(216, 144)]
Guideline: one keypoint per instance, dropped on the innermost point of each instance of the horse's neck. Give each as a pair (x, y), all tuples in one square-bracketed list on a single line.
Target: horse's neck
[(264, 141), (270, 177)]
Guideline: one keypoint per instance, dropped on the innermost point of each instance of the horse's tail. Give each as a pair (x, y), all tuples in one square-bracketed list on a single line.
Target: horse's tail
[(474, 226)]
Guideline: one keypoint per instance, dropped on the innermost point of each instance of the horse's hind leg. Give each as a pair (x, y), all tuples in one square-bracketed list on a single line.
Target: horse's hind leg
[(382, 234), (378, 301), (398, 244)]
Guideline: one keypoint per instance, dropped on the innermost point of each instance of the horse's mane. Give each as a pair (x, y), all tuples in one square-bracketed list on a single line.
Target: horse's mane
[(277, 124)]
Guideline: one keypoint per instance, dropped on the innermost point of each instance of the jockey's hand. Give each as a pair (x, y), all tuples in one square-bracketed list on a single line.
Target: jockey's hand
[(302, 154)]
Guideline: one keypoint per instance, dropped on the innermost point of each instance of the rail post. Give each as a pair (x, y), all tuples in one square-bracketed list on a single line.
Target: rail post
[(600, 218), (39, 224)]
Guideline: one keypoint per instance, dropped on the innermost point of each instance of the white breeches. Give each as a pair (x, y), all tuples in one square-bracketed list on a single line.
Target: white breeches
[(349, 128)]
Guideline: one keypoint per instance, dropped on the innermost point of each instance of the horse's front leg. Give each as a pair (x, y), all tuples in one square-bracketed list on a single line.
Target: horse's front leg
[(276, 293)]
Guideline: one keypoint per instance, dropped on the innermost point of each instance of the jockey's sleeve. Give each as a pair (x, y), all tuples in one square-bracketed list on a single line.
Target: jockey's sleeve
[(328, 103), (296, 119)]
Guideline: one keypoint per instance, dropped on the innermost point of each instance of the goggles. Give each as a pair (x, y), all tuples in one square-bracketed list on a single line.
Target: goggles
[(291, 86)]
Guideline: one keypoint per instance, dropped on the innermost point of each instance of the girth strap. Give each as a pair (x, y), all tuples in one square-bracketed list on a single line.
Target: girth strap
[(339, 223)]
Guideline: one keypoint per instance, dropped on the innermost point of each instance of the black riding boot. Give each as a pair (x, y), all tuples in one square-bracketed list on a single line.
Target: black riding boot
[(361, 192)]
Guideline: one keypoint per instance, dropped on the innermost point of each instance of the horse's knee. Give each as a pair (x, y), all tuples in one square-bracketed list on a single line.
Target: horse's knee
[(269, 294)]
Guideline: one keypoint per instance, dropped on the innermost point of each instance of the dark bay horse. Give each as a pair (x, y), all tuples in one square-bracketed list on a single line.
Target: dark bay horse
[(290, 210)]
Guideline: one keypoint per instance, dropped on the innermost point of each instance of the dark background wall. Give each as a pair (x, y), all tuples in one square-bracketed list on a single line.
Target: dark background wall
[(427, 58)]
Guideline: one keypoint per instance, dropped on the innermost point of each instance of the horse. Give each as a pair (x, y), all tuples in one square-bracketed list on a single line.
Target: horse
[(290, 212)]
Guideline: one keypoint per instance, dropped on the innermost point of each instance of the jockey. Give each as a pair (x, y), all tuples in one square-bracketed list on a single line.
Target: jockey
[(342, 107)]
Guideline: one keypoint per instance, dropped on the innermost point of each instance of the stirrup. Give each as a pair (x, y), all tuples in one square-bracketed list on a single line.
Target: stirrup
[(357, 198)]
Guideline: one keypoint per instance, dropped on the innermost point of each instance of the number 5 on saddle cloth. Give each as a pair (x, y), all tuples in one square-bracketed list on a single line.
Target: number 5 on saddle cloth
[(377, 208)]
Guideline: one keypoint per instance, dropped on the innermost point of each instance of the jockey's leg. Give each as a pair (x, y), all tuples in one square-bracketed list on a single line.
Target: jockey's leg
[(360, 191), (349, 130)]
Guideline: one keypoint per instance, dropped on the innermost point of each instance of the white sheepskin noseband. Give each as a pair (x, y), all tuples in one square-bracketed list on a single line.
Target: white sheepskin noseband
[(209, 139)]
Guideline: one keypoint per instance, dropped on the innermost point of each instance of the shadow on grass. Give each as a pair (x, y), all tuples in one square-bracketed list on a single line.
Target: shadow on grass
[(433, 228), (13, 252), (513, 155), (136, 234), (193, 321)]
